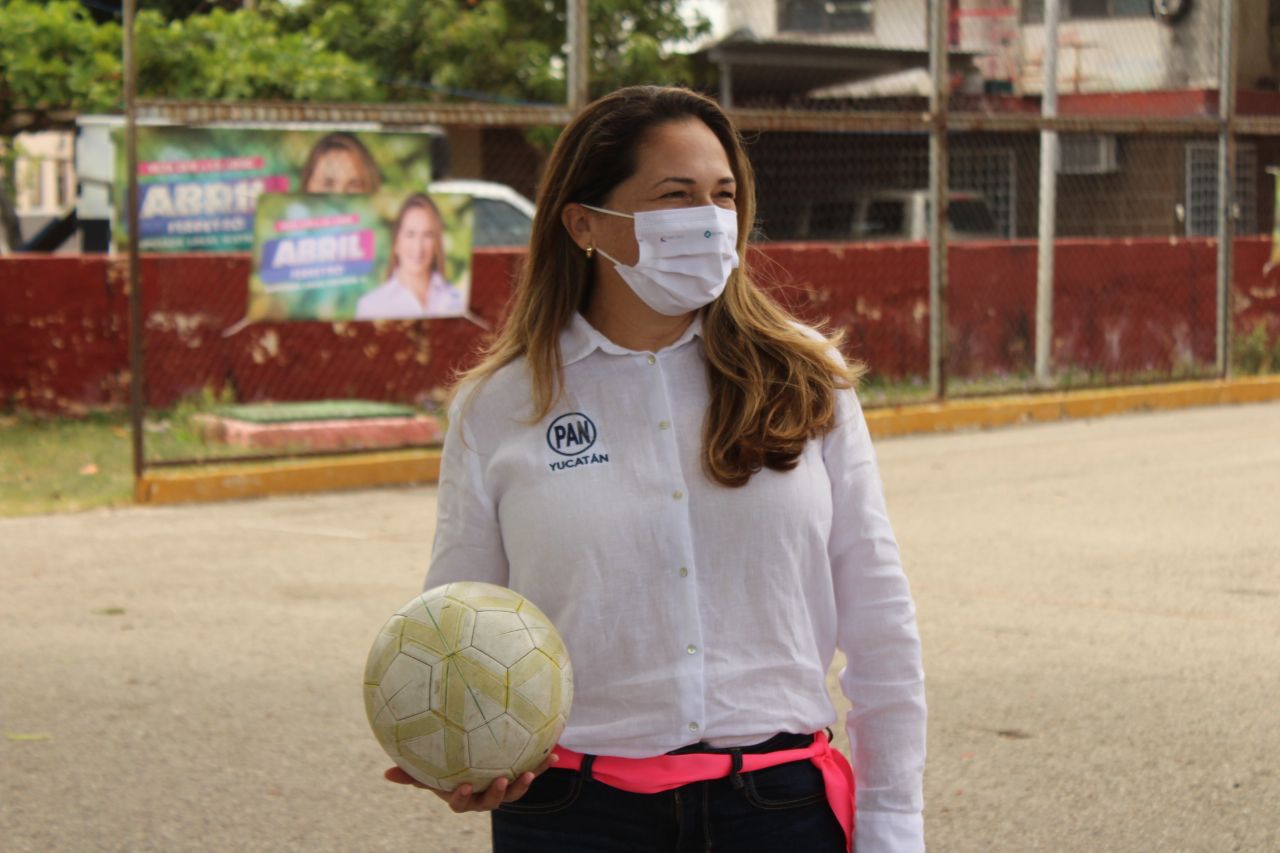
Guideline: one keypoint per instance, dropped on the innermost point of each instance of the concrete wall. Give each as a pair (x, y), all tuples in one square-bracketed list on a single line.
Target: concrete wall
[(1123, 306), (1118, 55), (1146, 54), (64, 339), (894, 23)]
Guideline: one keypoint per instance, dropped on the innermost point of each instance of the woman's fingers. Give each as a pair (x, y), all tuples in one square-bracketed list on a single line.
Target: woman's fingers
[(397, 775), (460, 799), (519, 787), (465, 799), (493, 795)]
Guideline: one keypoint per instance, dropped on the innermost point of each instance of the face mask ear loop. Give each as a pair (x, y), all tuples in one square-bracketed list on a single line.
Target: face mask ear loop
[(602, 252), (604, 210), (608, 257)]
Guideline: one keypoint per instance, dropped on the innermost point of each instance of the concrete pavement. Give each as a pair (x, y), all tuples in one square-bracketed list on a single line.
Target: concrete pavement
[(1099, 601)]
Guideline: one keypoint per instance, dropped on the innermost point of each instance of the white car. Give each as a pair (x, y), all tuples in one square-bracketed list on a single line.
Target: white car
[(904, 215), (882, 215), (503, 217)]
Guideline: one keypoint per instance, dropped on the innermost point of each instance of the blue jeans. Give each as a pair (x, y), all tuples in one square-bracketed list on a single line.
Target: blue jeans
[(781, 808)]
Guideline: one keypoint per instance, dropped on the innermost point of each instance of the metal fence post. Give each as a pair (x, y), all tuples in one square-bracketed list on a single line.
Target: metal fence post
[(938, 172), (136, 401), (1226, 181), (579, 55), (1048, 200)]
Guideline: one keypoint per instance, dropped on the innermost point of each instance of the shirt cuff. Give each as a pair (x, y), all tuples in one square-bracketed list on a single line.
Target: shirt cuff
[(889, 832)]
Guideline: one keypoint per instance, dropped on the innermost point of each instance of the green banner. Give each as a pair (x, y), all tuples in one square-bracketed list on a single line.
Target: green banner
[(198, 188), (349, 257)]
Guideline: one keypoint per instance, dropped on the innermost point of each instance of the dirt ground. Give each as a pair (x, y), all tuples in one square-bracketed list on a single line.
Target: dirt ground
[(1099, 601)]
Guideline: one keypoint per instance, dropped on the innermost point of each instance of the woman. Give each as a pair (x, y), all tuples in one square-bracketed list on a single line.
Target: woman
[(721, 533), (340, 163), (415, 285)]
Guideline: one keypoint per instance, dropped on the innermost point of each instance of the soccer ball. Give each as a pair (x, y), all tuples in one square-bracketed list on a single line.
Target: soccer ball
[(466, 683)]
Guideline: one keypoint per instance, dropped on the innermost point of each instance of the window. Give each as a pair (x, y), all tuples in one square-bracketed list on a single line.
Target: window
[(1202, 189), (830, 220), (65, 175), (824, 16), (971, 216), (886, 219), (990, 172), (499, 224), (30, 184), (1077, 10)]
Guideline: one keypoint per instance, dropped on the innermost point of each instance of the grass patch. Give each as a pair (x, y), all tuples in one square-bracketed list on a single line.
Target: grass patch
[(876, 391), (67, 465), (56, 465), (50, 464), (1256, 352)]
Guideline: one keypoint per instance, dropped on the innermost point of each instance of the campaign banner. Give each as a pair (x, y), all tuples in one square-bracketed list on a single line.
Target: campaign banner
[(198, 188), (341, 257)]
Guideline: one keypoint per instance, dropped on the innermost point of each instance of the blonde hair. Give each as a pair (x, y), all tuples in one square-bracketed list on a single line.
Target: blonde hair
[(418, 201), (772, 383), (370, 174)]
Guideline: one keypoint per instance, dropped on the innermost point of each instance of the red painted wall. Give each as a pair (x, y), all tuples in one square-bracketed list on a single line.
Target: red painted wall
[(1128, 307), (1121, 306)]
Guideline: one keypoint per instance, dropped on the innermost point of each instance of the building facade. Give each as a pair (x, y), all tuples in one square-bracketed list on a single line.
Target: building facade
[(1116, 58), (46, 178)]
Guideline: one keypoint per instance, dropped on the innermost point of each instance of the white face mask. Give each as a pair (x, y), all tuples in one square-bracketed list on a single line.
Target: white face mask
[(686, 255)]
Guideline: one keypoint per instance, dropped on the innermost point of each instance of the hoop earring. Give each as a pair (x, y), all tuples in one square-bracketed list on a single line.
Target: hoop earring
[(591, 250)]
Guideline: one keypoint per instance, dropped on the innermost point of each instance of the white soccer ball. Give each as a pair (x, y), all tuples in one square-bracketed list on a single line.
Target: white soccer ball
[(466, 683)]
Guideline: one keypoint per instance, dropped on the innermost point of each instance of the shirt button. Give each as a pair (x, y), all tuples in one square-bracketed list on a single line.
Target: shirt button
[(677, 494), (664, 424), (693, 727), (684, 573), (652, 359), (693, 650)]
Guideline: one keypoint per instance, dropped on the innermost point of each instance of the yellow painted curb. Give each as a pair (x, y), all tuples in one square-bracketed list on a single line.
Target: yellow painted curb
[(249, 480), (1004, 411)]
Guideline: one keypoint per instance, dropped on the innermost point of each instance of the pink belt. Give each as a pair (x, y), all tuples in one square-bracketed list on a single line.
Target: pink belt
[(665, 772)]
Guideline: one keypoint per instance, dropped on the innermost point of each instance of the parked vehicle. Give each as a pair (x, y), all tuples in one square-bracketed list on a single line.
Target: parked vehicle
[(884, 215), (503, 217)]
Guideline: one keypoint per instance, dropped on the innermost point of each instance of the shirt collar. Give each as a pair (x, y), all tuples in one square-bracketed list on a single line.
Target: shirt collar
[(580, 339)]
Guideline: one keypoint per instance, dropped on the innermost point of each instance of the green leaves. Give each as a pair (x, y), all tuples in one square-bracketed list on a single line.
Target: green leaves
[(502, 49), (241, 56), (54, 56)]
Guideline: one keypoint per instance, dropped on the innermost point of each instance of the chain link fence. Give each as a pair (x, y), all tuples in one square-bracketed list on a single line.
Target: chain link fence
[(938, 282), (1103, 156)]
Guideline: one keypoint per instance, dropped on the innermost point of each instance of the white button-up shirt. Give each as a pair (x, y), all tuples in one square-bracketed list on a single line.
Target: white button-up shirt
[(691, 611), (391, 300)]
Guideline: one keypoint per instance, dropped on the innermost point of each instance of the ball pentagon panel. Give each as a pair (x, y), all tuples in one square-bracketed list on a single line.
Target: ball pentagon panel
[(468, 682)]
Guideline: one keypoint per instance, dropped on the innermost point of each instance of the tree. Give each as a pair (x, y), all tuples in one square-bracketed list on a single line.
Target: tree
[(242, 55), (498, 49), (54, 57)]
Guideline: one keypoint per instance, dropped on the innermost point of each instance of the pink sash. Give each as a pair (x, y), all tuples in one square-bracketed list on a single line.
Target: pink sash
[(665, 772)]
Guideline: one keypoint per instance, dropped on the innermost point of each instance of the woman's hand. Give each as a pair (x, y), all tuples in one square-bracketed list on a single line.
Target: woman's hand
[(463, 798)]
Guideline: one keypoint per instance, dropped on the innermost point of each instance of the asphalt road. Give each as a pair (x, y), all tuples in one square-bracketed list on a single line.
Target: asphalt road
[(1099, 601)]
